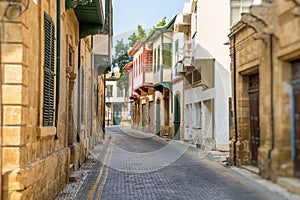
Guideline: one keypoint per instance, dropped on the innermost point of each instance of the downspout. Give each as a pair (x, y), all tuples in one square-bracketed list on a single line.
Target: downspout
[(92, 89), (104, 105), (79, 95), (57, 67), (271, 101), (234, 100)]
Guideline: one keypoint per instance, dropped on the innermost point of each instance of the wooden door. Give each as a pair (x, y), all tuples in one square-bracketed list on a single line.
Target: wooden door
[(296, 139), (144, 120), (254, 125), (157, 118), (177, 117)]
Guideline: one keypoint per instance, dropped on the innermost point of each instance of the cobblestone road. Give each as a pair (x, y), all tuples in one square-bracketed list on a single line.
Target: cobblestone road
[(139, 166)]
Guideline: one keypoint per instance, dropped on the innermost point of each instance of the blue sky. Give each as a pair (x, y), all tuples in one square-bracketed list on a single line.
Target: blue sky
[(129, 13)]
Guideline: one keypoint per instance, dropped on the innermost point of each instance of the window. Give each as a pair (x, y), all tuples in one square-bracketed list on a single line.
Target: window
[(109, 90), (167, 54), (82, 93), (49, 46), (119, 92), (158, 59), (154, 62), (238, 7), (176, 52), (197, 115)]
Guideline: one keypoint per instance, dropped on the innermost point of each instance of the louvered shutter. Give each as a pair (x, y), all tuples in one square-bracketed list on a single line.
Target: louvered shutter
[(49, 47)]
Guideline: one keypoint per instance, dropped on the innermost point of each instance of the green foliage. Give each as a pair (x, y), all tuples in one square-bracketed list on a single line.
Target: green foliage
[(121, 57), (162, 22), (133, 38), (122, 82), (159, 24)]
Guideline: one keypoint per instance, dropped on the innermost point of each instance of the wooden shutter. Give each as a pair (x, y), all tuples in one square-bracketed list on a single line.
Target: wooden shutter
[(49, 50)]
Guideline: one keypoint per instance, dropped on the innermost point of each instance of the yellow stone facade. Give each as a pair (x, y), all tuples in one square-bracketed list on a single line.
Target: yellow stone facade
[(266, 42), (35, 158)]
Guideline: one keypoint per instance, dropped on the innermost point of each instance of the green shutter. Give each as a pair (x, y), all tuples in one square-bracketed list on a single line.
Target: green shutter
[(49, 48)]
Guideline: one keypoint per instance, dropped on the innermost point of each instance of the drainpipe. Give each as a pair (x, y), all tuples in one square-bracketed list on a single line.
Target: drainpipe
[(104, 107), (57, 67), (234, 100), (79, 95), (92, 89), (271, 101)]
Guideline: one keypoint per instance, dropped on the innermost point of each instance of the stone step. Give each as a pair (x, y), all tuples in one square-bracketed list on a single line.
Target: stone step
[(75, 176)]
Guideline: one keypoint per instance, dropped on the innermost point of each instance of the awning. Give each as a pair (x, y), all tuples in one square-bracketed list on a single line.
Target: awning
[(89, 14), (162, 85)]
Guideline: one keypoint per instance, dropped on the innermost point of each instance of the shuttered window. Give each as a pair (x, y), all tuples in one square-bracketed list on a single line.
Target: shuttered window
[(49, 47)]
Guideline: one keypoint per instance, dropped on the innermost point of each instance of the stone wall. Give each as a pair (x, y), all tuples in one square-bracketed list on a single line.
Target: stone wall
[(269, 41), (36, 159)]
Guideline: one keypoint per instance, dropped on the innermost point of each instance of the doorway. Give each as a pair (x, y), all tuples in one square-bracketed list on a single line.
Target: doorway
[(144, 120), (296, 117), (177, 110), (157, 118), (254, 117)]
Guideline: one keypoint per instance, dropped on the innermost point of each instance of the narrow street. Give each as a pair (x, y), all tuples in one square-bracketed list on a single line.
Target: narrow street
[(142, 166)]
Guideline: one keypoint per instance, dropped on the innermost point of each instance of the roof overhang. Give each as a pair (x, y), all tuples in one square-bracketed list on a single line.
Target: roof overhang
[(89, 14), (137, 46), (156, 33), (128, 66), (162, 85)]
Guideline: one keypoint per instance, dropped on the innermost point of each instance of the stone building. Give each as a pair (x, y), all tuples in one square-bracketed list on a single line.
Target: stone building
[(265, 75), (41, 58)]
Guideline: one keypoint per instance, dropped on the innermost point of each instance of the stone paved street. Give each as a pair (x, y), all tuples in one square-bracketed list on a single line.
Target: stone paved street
[(143, 166)]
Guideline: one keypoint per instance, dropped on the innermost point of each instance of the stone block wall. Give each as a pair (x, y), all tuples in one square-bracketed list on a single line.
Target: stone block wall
[(274, 44)]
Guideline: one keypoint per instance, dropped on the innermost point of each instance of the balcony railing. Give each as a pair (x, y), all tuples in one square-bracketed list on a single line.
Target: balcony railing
[(144, 78)]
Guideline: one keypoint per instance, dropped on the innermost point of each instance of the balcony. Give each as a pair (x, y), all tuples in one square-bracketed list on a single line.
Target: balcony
[(162, 77), (183, 22), (142, 83)]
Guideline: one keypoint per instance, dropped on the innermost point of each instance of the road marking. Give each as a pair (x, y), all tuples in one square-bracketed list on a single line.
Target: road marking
[(99, 192), (92, 191)]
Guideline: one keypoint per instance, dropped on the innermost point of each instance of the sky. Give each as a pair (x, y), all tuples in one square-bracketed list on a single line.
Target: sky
[(127, 14)]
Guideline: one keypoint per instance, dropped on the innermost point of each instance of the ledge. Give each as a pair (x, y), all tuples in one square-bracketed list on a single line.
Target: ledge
[(46, 131)]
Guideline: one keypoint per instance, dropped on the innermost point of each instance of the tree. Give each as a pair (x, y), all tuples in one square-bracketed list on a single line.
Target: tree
[(159, 24), (162, 22), (121, 57), (133, 38)]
